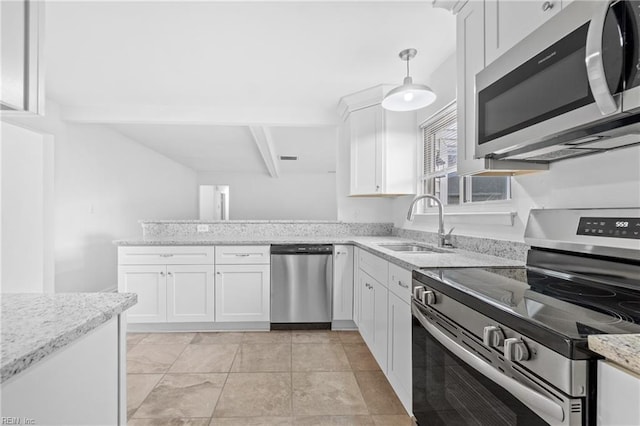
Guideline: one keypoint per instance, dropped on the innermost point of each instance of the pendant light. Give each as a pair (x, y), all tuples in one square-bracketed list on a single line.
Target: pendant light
[(409, 96)]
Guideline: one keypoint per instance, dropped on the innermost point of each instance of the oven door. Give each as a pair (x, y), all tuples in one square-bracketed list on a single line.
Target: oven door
[(569, 73), (454, 386)]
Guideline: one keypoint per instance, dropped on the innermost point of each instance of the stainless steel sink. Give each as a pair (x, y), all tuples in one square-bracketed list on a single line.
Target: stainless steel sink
[(412, 248)]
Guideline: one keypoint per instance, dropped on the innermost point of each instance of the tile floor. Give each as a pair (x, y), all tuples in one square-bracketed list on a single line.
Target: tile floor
[(257, 378)]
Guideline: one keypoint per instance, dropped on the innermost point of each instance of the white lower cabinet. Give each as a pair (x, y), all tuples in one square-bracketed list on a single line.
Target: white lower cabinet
[(243, 293), (373, 317), (384, 319), (399, 352), (190, 293), (342, 283), (618, 395), (150, 284)]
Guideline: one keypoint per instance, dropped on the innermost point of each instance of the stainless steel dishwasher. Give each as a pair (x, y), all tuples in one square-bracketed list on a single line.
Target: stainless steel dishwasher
[(301, 285)]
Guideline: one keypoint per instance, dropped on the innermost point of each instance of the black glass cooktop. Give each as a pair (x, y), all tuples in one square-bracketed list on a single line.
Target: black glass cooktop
[(568, 307)]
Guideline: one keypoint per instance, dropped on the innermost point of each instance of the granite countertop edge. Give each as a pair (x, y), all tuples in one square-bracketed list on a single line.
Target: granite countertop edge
[(454, 258), (621, 349), (34, 347)]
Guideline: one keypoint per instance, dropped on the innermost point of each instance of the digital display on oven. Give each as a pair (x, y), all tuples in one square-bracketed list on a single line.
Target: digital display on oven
[(616, 227)]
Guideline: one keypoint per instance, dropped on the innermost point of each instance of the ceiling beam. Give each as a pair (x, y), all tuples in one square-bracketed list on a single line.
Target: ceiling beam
[(227, 116), (262, 137)]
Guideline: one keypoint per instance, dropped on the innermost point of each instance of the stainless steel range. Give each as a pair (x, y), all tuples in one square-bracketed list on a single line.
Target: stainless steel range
[(508, 346)]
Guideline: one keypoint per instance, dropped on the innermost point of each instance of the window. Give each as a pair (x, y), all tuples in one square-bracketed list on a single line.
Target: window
[(439, 169)]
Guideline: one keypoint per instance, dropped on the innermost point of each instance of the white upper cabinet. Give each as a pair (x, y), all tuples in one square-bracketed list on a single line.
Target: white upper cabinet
[(21, 79), (509, 21), (470, 61), (383, 145)]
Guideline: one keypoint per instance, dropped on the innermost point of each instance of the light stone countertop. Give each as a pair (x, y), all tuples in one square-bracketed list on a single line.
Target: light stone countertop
[(622, 349), (455, 258), (34, 326)]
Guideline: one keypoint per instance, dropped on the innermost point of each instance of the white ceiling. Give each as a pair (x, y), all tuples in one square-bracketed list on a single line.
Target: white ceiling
[(144, 65)]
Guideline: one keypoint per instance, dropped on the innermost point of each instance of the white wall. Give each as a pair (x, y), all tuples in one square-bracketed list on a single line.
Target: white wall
[(610, 179), (26, 253), (104, 184), (301, 196)]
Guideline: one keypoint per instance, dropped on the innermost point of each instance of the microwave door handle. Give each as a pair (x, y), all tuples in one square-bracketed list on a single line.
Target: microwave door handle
[(595, 65), (540, 404)]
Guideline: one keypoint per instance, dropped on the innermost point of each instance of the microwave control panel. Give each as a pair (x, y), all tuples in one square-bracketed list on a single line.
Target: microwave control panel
[(616, 227)]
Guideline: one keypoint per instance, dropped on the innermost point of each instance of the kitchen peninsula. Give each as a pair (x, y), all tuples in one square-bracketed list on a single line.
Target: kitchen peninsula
[(63, 357)]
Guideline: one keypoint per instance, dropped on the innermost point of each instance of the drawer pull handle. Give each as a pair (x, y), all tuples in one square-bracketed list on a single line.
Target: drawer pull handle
[(242, 254), (403, 285), (166, 255)]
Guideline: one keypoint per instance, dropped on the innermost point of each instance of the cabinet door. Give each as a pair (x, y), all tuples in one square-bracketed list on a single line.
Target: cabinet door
[(190, 293), (617, 388), (380, 323), (343, 282), (399, 351), (470, 61), (150, 284), (508, 21), (367, 303), (365, 161), (356, 287), (242, 293)]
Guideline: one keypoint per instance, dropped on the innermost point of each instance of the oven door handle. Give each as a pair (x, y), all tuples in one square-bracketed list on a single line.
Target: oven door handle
[(540, 404), (595, 64)]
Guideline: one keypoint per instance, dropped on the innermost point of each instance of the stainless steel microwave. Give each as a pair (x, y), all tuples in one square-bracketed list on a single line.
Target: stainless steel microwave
[(570, 88)]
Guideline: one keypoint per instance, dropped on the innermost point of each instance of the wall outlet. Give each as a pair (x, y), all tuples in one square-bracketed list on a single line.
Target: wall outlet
[(202, 228)]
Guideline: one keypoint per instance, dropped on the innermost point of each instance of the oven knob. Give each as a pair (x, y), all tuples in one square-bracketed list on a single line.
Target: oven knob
[(417, 292), (492, 336), (516, 350), (429, 297)]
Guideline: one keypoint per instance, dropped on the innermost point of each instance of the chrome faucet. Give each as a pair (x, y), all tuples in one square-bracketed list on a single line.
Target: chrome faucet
[(443, 239)]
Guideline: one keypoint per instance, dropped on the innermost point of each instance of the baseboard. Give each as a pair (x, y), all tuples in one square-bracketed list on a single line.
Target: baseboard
[(343, 325), (198, 326)]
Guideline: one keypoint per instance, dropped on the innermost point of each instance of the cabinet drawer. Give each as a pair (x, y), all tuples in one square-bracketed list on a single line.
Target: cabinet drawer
[(373, 265), (248, 255), (165, 255), (400, 282)]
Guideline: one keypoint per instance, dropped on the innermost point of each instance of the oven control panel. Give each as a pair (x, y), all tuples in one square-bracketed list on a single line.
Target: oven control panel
[(616, 227)]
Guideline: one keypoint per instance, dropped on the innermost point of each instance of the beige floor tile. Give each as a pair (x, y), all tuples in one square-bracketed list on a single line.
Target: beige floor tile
[(135, 338), (262, 357), (255, 394), (392, 420), (217, 337), (138, 388), (267, 337), (327, 393), (319, 357), (350, 337), (152, 358), (183, 395), (251, 421), (360, 357), (167, 338), (378, 394), (333, 421), (312, 336), (205, 359), (169, 422)]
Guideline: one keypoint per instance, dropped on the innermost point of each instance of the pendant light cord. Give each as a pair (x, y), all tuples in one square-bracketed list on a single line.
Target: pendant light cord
[(407, 67)]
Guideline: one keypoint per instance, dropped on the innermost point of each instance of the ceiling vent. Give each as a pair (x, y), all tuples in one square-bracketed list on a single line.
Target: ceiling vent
[(288, 157)]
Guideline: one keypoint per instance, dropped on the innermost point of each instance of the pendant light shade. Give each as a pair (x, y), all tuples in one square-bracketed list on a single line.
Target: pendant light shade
[(409, 96)]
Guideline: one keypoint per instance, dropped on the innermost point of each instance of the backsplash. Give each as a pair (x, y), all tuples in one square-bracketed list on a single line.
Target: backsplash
[(242, 229), (500, 248)]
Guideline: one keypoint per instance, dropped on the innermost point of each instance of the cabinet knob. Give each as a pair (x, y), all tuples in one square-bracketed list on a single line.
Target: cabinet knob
[(547, 5), (170, 274), (162, 274), (377, 187)]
